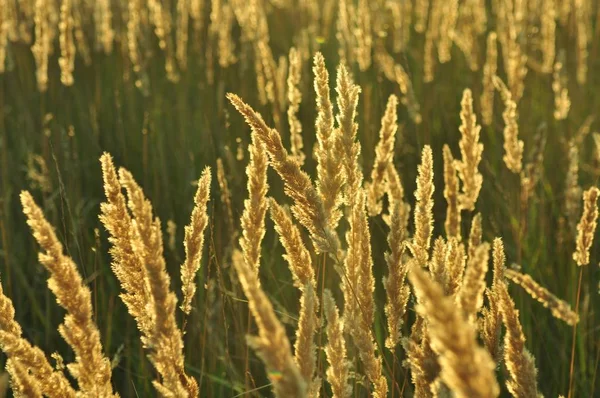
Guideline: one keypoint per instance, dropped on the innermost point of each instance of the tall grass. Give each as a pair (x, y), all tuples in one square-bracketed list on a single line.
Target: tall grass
[(485, 110)]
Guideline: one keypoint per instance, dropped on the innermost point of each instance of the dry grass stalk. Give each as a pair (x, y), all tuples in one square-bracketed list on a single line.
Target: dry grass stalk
[(489, 71), (582, 21), (548, 34), (297, 256), (424, 208), (573, 190), (475, 235), (347, 101), (397, 290), (22, 382), (562, 103), (294, 97), (363, 34), (452, 223), (455, 265), (181, 33), (52, 383), (384, 154), (339, 367), (519, 362), (437, 263), (559, 308), (194, 240), (139, 265), (305, 350), (127, 267), (470, 295), (91, 369), (271, 344), (360, 294), (164, 338), (470, 151), (597, 143), (330, 177), (424, 366), (466, 368), (225, 194), (513, 147), (395, 72), (492, 319), (42, 47), (255, 207), (308, 207), (395, 195), (587, 226), (67, 44), (103, 22)]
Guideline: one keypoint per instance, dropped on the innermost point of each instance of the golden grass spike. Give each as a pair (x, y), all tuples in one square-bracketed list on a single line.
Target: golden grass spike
[(339, 367), (562, 103), (297, 256), (67, 44), (455, 265), (489, 71), (52, 383), (558, 307), (466, 368), (470, 295), (23, 384), (384, 155), (133, 32), (139, 265), (294, 97), (548, 34), (42, 47), (513, 147), (424, 208), (475, 235), (437, 263), (126, 265), (330, 176), (519, 362), (103, 23), (424, 366), (597, 143), (395, 195), (305, 350), (308, 207), (181, 33), (255, 207), (164, 338), (582, 22), (271, 344), (91, 369), (452, 224), (194, 240), (140, 207), (587, 226), (347, 101), (361, 293), (397, 290), (470, 151), (492, 319), (363, 34)]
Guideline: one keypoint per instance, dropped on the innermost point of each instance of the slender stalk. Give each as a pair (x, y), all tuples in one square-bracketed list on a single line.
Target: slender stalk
[(572, 368)]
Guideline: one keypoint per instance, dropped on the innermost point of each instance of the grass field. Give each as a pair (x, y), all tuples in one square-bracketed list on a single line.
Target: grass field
[(147, 81)]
